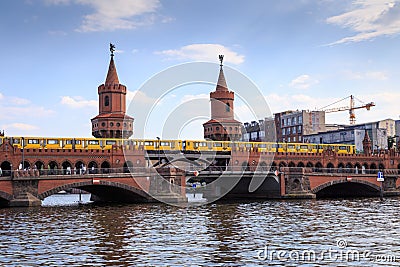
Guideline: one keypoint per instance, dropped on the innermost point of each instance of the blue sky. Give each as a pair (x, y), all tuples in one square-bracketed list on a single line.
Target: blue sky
[(301, 55)]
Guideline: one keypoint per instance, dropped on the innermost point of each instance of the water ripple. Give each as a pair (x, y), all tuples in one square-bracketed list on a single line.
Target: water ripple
[(228, 234)]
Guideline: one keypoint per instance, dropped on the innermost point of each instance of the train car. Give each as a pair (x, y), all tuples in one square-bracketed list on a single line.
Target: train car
[(169, 145)]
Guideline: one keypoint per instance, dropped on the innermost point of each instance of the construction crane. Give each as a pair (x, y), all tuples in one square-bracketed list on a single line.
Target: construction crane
[(350, 108)]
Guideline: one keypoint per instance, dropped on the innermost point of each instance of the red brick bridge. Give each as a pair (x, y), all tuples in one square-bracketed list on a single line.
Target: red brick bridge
[(107, 175)]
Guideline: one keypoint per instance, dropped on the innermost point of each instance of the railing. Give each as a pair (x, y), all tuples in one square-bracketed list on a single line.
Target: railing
[(95, 172), (104, 172)]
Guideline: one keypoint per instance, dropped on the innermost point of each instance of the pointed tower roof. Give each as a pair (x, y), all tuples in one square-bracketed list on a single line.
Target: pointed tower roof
[(112, 76), (366, 137), (221, 84)]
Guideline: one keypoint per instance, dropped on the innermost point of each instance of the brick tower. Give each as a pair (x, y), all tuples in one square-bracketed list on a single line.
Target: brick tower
[(222, 126), (112, 122), (367, 144)]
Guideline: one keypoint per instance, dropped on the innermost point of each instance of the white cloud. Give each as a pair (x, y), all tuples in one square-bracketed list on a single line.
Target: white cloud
[(187, 98), (13, 108), (369, 19), (78, 102), (303, 82), (18, 101), (203, 52), (20, 127), (114, 15), (369, 75), (139, 96)]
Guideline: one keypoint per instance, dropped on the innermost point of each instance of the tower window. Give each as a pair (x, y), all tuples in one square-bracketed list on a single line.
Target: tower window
[(228, 107), (107, 101)]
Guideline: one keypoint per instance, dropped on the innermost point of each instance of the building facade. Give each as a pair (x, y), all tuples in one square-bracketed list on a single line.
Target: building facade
[(292, 126), (378, 132)]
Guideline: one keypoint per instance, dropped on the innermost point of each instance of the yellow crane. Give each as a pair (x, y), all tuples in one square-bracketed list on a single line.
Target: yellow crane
[(350, 108)]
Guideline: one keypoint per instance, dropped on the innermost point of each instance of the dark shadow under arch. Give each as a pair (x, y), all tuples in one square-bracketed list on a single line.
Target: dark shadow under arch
[(105, 191), (343, 188)]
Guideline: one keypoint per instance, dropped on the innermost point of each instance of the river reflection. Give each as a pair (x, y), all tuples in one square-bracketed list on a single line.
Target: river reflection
[(222, 234)]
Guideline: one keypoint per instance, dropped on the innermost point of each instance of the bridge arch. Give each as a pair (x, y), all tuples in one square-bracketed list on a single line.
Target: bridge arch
[(309, 164), (263, 166), (318, 167), (26, 164), (373, 168), (39, 164), (381, 166), (104, 191), (273, 166), (245, 166), (340, 167), (6, 168), (105, 166), (128, 165), (52, 167), (349, 167), (282, 164), (364, 168), (357, 167), (300, 164), (330, 167), (291, 164), (92, 167), (65, 166), (344, 188)]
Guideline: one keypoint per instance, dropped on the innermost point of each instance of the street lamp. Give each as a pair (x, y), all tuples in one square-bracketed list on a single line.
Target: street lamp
[(158, 146), (23, 156)]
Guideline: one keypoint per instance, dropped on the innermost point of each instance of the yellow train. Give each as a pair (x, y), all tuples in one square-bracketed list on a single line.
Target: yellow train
[(176, 145)]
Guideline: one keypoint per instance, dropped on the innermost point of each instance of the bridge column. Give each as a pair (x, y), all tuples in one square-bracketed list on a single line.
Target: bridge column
[(297, 183), (389, 185), (170, 187), (25, 193)]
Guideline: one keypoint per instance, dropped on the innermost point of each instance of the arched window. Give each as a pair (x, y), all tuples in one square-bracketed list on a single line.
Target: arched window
[(228, 107), (107, 101)]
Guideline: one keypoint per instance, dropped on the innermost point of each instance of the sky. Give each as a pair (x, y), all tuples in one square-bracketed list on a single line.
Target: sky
[(301, 54)]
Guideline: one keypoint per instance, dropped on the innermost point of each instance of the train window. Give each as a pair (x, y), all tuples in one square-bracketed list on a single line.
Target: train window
[(33, 141), (291, 146), (52, 141), (93, 142), (15, 141), (163, 143), (217, 144), (203, 144), (111, 142), (248, 145), (262, 145), (303, 147), (342, 148), (148, 143)]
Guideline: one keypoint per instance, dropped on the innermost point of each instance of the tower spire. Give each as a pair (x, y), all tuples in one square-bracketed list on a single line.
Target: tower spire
[(112, 76), (221, 84)]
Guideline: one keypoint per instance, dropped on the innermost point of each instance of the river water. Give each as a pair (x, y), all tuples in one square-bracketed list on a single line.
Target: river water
[(346, 232)]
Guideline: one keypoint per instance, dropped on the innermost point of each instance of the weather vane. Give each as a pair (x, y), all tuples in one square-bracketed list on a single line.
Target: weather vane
[(112, 49), (221, 58)]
